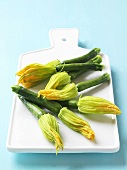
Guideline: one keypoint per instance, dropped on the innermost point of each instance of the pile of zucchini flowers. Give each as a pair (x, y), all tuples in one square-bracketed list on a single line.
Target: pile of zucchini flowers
[(60, 95)]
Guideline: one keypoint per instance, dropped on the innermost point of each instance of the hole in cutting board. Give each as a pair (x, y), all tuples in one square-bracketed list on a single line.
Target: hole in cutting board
[(64, 39)]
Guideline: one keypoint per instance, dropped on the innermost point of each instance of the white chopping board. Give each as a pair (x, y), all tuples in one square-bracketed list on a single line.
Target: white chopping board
[(24, 134)]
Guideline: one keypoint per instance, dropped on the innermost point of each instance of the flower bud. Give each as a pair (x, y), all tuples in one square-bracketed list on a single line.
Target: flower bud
[(58, 80), (96, 105), (76, 123), (66, 93), (50, 129), (35, 73)]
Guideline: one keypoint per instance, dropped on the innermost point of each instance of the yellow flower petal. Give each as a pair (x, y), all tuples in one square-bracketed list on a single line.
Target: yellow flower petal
[(33, 65), (58, 80), (50, 129), (76, 123), (68, 92), (33, 74), (97, 105)]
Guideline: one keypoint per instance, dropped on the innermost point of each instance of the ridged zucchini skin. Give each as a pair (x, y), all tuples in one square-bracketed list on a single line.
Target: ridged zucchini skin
[(83, 58), (31, 96), (34, 109)]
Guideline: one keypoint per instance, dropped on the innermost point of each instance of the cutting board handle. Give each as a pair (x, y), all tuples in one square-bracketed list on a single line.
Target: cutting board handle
[(64, 37)]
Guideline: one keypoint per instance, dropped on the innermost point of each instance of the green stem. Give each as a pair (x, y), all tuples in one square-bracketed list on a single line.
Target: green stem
[(83, 58), (74, 74), (31, 96), (34, 109), (79, 66), (69, 103), (94, 82)]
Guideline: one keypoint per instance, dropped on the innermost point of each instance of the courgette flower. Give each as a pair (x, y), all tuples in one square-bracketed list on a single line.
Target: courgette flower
[(50, 129), (58, 80), (96, 105), (76, 123), (35, 73), (68, 92)]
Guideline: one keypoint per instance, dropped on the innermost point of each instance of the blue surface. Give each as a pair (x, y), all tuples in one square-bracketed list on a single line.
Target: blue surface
[(24, 26)]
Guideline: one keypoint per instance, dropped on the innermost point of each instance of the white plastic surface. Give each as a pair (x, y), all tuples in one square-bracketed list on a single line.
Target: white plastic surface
[(24, 134)]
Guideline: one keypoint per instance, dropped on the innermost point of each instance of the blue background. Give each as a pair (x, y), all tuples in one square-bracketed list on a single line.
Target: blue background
[(24, 26)]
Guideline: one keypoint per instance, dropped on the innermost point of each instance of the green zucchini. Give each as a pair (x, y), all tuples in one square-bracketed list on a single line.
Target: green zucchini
[(94, 82), (54, 106), (74, 74), (34, 109), (79, 66), (83, 58), (31, 96)]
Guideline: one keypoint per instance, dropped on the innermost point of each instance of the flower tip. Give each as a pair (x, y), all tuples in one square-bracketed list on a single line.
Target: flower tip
[(76, 123), (50, 129), (16, 74), (92, 137), (118, 112), (97, 105), (58, 147)]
